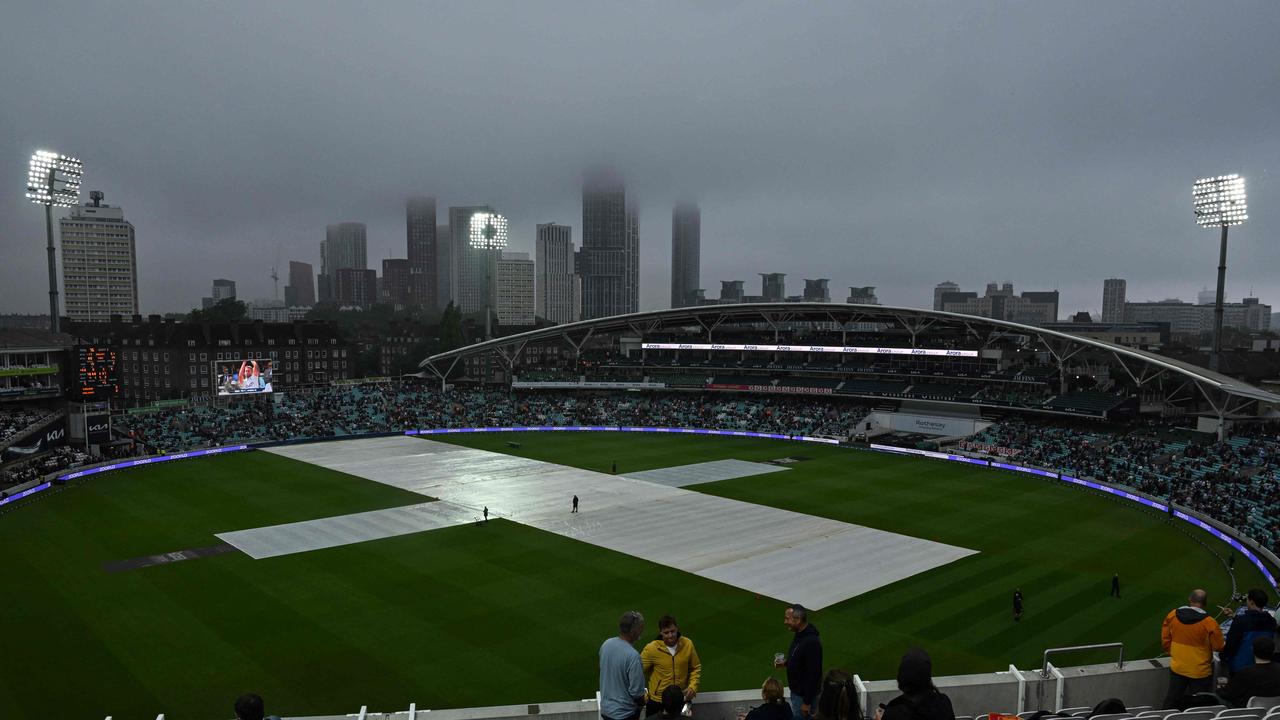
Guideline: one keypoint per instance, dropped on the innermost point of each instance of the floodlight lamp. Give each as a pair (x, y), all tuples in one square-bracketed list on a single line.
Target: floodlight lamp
[(54, 179), (1220, 201), (488, 231)]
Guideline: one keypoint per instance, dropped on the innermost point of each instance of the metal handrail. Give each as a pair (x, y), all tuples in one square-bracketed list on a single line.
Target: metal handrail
[(1044, 669)]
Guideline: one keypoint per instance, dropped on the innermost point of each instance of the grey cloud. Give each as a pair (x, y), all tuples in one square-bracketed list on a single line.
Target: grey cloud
[(888, 144)]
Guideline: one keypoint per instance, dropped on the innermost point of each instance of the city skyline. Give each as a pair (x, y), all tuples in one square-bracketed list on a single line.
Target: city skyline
[(1001, 145)]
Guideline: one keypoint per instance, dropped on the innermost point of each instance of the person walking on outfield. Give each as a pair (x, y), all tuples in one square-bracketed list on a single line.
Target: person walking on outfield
[(1017, 605), (622, 690), (1191, 637), (486, 514), (575, 504), (669, 660), (803, 662), (1115, 585)]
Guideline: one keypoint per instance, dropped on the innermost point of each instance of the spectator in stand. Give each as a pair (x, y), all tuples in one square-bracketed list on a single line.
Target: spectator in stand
[(774, 707), (1261, 679), (1110, 706), (249, 707), (1254, 621), (803, 661), (669, 660), (672, 704), (622, 690), (1190, 636), (919, 700), (838, 699)]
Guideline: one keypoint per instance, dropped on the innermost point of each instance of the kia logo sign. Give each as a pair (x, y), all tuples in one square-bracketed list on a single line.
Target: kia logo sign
[(99, 428), (53, 435)]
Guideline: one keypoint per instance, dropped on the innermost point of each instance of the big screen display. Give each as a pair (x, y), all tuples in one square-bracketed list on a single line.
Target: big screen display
[(242, 377)]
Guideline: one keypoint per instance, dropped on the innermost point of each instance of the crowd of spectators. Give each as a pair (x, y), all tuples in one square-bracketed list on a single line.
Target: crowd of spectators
[(61, 458), (13, 421), (351, 410), (1236, 480)]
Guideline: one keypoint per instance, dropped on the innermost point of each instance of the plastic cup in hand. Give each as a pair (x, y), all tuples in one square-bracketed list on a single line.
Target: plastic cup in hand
[(740, 711), (779, 658)]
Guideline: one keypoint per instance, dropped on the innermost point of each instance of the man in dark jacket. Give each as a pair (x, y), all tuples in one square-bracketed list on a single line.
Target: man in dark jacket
[(1262, 679), (803, 662), (1254, 622)]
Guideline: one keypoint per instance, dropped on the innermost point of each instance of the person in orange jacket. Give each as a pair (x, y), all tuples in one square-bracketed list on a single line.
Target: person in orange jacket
[(1191, 637)]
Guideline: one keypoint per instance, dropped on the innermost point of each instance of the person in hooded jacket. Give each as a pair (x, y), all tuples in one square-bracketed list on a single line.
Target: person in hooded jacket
[(669, 660), (1252, 622), (1191, 637), (803, 661), (919, 700)]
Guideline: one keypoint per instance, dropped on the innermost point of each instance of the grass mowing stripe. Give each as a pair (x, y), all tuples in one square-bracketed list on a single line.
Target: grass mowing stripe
[(509, 614)]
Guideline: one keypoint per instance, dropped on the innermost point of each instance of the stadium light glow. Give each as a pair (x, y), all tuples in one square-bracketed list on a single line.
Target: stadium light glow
[(53, 180), (488, 231), (1219, 202)]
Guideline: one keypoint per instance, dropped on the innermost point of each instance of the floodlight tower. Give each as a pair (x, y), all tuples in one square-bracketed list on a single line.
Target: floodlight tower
[(1219, 202), (53, 180), (488, 233)]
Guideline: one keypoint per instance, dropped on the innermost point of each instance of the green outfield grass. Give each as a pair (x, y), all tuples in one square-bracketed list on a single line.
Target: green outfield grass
[(506, 614)]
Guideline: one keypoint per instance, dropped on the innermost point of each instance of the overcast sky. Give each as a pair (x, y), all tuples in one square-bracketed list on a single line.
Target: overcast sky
[(893, 144)]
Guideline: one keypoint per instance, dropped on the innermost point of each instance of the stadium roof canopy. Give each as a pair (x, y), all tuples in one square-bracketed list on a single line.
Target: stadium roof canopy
[(1225, 394)]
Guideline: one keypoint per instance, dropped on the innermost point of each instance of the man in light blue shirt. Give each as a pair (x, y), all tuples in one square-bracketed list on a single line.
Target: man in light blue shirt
[(622, 688)]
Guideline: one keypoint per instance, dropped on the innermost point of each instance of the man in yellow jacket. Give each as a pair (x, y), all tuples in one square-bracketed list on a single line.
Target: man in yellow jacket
[(1191, 637), (669, 660)]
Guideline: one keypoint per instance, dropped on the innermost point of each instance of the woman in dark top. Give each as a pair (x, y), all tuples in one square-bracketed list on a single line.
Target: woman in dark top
[(919, 700), (773, 707), (838, 698)]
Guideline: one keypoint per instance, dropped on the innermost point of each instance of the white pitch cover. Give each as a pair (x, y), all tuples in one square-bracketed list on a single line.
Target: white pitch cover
[(776, 553)]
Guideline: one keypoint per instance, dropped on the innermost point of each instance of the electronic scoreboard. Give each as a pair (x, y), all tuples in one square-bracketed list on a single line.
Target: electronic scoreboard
[(98, 376)]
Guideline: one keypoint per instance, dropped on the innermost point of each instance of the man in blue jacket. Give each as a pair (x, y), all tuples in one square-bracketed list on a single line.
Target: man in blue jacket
[(622, 687), (1254, 622), (803, 662)]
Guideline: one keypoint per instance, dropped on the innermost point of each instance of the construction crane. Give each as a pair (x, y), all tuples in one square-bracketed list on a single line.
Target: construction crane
[(275, 276)]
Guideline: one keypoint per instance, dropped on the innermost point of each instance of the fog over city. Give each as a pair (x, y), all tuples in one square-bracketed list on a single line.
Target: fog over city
[(890, 144)]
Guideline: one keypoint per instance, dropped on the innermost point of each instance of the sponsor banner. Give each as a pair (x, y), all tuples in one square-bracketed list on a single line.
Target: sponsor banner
[(25, 371), (792, 389), (590, 385), (781, 389), (47, 437), (615, 428), (1228, 540), (1025, 469), (848, 349), (928, 453), (152, 460), (98, 428), (25, 493), (988, 449), (930, 424)]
